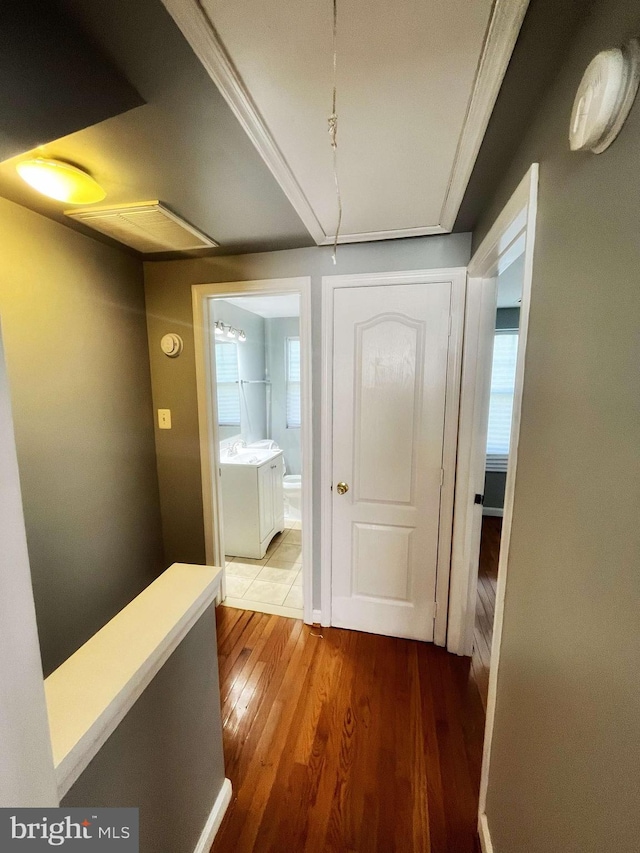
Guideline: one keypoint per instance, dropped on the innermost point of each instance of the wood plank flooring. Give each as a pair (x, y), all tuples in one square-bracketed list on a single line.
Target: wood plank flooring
[(486, 603), (345, 741)]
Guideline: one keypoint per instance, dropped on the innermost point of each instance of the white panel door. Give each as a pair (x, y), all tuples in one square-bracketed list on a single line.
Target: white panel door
[(389, 392)]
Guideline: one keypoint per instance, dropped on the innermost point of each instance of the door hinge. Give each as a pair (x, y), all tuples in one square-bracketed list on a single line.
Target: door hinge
[(479, 499), (435, 610), (442, 476)]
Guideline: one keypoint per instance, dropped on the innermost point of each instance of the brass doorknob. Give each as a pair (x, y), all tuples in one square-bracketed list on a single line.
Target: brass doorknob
[(342, 488)]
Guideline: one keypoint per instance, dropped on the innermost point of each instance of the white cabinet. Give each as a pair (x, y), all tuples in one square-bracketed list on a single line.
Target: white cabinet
[(277, 491), (266, 520), (252, 504)]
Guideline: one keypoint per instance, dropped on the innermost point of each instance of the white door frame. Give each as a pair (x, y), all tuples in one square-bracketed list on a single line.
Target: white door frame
[(27, 774), (457, 277), (208, 420), (513, 231)]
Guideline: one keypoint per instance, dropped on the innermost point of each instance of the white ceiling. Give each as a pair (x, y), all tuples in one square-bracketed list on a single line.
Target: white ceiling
[(269, 307), (417, 80)]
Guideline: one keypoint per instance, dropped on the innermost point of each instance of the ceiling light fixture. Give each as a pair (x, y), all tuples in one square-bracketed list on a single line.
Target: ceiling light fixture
[(229, 331), (60, 181)]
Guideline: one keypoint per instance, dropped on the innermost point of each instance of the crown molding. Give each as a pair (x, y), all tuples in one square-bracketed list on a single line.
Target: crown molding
[(205, 42), (502, 34), (369, 236)]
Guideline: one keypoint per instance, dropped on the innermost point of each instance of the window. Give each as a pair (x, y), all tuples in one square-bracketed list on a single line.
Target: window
[(293, 383), (503, 377), (228, 386)]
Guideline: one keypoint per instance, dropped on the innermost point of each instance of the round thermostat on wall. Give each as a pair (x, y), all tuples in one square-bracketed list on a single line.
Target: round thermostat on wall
[(604, 98), (171, 345)]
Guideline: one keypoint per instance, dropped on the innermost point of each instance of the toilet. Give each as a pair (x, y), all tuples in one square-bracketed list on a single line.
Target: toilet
[(292, 497)]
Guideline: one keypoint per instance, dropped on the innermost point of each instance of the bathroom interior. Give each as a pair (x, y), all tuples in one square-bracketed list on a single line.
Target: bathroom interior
[(257, 370)]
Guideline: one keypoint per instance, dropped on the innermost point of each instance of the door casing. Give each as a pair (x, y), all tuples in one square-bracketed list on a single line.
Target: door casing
[(457, 277), (513, 231), (201, 295)]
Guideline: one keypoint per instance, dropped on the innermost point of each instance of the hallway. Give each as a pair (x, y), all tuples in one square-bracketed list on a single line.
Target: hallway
[(345, 741), (486, 603)]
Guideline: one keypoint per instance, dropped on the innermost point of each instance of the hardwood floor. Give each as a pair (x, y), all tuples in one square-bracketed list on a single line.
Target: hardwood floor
[(486, 603), (345, 741)]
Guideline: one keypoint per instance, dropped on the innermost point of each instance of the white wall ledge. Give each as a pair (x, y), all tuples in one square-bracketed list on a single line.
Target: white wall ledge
[(92, 691)]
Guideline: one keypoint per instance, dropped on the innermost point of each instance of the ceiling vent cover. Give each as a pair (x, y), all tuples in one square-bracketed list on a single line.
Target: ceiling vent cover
[(146, 226)]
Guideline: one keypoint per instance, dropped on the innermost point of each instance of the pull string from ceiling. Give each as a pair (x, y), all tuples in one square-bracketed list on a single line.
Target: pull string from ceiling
[(333, 128)]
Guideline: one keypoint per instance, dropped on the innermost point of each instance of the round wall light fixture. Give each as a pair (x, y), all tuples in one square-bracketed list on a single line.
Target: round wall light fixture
[(60, 181), (604, 98)]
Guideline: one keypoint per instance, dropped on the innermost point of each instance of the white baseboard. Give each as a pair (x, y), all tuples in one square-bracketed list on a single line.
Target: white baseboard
[(215, 818), (485, 837), (496, 511), (317, 617)]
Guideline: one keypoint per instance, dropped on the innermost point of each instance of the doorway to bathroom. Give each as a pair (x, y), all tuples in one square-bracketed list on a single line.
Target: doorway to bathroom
[(253, 365)]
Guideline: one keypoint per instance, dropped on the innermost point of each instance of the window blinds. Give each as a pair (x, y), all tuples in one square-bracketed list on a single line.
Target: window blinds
[(503, 375), (293, 383), (228, 386)]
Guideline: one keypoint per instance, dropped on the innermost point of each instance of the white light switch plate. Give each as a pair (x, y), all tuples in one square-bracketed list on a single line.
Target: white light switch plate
[(164, 418)]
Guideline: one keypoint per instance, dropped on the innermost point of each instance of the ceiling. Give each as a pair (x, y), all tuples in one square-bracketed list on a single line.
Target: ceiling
[(549, 26), (184, 146), (198, 142), (416, 84), (38, 46), (269, 307)]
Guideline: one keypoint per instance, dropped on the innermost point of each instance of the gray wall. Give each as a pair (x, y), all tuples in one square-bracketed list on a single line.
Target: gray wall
[(564, 766), (278, 330), (494, 486), (73, 320), (508, 318), (72, 313), (251, 366), (168, 294), (495, 481), (165, 757)]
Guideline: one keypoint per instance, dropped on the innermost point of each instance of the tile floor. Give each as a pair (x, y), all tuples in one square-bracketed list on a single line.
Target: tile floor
[(273, 584)]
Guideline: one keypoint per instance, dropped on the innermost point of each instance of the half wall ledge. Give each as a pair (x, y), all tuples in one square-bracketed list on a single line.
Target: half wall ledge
[(93, 690)]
